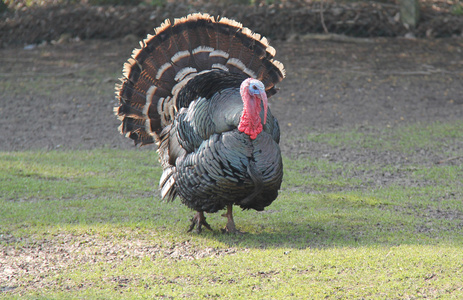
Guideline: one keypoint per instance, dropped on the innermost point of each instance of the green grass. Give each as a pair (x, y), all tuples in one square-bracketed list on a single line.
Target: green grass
[(406, 139), (89, 224)]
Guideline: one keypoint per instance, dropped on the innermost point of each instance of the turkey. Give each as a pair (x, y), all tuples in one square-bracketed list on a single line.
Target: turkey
[(198, 88)]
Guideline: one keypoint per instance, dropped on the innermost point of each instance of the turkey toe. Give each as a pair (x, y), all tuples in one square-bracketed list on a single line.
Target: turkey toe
[(230, 227), (198, 221)]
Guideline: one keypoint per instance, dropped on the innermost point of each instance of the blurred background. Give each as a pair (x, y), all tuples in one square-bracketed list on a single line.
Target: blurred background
[(24, 22)]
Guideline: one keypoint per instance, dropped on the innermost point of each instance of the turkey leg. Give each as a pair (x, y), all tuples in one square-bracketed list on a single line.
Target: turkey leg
[(230, 228), (199, 220)]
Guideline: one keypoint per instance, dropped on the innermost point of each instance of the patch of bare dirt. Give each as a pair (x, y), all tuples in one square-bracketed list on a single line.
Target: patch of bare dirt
[(61, 96), (39, 258)]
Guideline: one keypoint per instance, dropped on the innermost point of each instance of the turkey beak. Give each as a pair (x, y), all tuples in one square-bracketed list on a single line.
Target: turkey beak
[(263, 96)]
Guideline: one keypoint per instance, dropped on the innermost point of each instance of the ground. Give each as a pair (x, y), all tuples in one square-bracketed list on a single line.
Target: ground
[(62, 95), (58, 74)]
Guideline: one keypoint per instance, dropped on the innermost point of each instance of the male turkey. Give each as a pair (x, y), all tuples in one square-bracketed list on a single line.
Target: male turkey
[(196, 88)]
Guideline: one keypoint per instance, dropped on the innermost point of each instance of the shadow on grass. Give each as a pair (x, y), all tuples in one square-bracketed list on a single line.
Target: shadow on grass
[(318, 221), (405, 228)]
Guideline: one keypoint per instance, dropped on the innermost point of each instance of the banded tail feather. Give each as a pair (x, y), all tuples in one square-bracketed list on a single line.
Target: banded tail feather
[(155, 74)]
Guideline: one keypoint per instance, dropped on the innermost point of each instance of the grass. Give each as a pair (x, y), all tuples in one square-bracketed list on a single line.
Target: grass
[(407, 139), (89, 224)]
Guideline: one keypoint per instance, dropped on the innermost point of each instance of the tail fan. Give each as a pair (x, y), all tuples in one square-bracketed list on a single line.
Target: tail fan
[(176, 53)]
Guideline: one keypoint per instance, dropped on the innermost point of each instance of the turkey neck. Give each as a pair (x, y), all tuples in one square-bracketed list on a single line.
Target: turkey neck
[(250, 122)]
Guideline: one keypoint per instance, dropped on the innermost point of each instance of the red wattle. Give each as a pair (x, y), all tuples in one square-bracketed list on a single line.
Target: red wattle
[(250, 122)]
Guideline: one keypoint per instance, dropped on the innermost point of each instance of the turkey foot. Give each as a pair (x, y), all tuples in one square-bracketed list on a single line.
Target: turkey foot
[(230, 228), (199, 219)]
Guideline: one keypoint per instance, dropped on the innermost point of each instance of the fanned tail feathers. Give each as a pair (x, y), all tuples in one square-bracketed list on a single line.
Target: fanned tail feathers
[(177, 52)]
